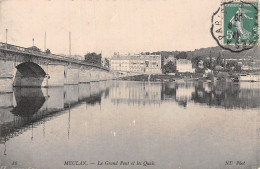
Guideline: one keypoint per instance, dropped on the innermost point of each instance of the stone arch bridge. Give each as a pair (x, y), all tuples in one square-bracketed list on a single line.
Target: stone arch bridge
[(24, 67)]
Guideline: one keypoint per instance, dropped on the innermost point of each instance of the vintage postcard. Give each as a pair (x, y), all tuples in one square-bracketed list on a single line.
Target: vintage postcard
[(129, 84)]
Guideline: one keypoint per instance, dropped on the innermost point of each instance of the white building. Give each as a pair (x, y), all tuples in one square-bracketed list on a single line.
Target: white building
[(184, 65), (145, 64), (120, 63)]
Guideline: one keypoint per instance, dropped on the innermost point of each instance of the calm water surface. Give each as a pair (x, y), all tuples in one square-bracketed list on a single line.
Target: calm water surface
[(192, 125)]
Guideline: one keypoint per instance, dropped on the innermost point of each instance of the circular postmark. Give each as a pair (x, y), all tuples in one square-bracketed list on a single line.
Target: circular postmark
[(235, 25)]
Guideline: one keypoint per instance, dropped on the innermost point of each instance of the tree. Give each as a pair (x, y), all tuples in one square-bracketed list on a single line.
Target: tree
[(93, 58), (219, 61), (106, 64), (34, 48), (48, 51), (196, 60), (170, 67), (181, 55), (207, 64), (12, 47), (155, 53), (233, 66), (222, 76)]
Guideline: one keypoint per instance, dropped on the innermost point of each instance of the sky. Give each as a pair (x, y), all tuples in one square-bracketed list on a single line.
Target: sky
[(124, 26)]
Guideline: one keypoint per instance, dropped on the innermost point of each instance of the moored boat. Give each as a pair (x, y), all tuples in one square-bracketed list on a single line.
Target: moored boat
[(250, 77)]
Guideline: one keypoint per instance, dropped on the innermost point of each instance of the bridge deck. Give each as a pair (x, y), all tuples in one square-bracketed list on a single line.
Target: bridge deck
[(19, 49)]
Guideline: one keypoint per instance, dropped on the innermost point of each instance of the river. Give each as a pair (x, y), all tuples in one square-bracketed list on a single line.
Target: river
[(117, 124)]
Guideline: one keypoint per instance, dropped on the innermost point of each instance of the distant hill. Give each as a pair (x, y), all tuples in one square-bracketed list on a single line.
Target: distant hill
[(253, 53), (250, 58), (216, 51)]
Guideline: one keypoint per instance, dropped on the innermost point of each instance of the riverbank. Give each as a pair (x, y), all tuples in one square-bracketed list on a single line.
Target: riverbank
[(156, 78), (172, 78)]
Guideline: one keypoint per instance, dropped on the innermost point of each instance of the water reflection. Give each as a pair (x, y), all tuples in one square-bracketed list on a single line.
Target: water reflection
[(179, 92), (136, 93), (28, 101), (177, 125), (27, 106), (25, 102), (226, 95)]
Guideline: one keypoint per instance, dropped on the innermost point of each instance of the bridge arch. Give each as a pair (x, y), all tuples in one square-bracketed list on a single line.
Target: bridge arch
[(29, 74)]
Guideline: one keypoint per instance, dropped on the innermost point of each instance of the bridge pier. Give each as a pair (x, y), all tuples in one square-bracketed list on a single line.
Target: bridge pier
[(55, 75), (102, 76), (6, 84), (6, 99), (84, 76), (95, 76), (6, 76), (71, 75)]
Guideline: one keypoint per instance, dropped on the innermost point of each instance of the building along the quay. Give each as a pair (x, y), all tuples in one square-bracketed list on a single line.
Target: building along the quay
[(138, 63)]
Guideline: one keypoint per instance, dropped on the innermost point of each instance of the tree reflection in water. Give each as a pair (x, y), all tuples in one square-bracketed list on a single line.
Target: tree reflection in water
[(221, 94), (228, 95)]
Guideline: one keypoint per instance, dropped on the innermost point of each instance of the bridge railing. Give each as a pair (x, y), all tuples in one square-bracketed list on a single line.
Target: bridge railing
[(43, 54)]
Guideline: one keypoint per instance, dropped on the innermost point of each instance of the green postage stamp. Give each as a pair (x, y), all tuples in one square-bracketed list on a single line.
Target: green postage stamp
[(235, 25)]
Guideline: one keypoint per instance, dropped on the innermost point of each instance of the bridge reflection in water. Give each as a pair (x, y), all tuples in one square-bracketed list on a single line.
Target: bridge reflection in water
[(25, 106), (167, 113)]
